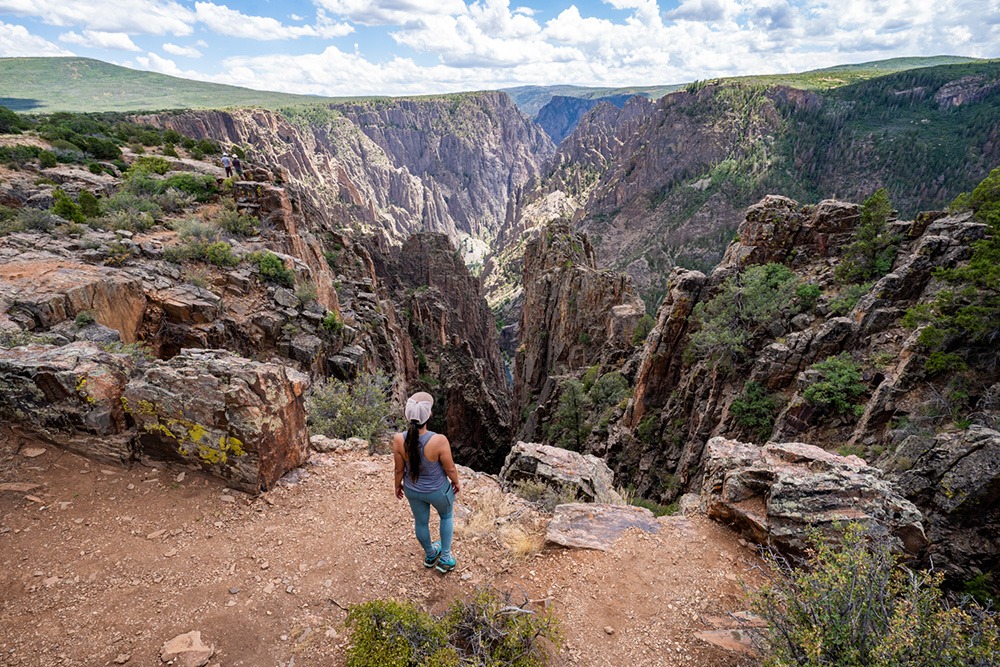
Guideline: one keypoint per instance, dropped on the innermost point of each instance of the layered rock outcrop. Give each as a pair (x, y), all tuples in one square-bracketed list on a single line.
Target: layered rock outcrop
[(574, 314), (241, 420), (454, 335), (955, 477), (586, 477), (396, 167), (776, 493)]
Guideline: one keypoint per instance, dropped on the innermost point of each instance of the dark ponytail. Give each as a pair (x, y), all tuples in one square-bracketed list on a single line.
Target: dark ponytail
[(413, 448)]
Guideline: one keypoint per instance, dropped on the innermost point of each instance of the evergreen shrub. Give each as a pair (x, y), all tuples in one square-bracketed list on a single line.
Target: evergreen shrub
[(853, 604), (359, 409)]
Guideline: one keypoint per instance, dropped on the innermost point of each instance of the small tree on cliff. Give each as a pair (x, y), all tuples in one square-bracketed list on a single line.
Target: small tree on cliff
[(872, 251), (570, 427)]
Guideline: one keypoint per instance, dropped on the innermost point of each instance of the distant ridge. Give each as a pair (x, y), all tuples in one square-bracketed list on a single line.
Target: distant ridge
[(35, 85), (531, 99), (42, 85)]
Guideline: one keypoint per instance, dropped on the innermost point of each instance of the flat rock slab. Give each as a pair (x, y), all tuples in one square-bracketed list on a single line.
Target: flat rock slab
[(18, 487), (594, 526), (186, 650), (736, 640)]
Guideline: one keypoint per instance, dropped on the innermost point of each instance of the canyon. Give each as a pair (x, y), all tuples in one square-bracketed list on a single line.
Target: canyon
[(449, 245)]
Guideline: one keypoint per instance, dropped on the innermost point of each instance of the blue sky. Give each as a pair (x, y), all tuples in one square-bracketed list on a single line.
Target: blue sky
[(388, 47)]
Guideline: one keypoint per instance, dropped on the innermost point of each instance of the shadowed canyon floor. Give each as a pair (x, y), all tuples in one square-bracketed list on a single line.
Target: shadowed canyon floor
[(101, 563)]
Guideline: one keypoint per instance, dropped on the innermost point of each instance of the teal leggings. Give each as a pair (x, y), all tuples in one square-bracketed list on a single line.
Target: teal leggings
[(443, 501)]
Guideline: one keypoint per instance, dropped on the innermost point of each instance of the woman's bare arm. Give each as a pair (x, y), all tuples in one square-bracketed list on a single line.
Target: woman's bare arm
[(397, 454)]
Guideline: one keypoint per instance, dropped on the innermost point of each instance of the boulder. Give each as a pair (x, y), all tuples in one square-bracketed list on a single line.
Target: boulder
[(776, 493), (954, 478), (589, 477), (239, 419), (186, 650), (189, 304), (69, 396), (595, 526)]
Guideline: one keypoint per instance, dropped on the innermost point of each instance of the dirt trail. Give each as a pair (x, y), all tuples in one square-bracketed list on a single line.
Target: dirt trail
[(101, 562)]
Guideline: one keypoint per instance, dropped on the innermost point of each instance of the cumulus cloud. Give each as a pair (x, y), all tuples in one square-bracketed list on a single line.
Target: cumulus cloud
[(233, 23), (100, 40), (186, 51), (156, 17), (16, 41), (392, 12)]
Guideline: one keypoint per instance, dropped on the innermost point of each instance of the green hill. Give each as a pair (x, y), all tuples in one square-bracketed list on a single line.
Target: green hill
[(37, 85), (42, 85)]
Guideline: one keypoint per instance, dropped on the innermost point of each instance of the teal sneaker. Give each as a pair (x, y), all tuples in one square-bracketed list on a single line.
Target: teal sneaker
[(429, 561), (446, 564)]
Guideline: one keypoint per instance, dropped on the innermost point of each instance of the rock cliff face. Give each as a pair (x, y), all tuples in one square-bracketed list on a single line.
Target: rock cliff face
[(663, 184), (561, 114), (574, 316), (390, 167), (680, 401), (454, 336)]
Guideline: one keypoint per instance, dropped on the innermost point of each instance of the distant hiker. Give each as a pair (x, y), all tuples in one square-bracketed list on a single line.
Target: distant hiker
[(426, 475), (238, 166), (228, 165)]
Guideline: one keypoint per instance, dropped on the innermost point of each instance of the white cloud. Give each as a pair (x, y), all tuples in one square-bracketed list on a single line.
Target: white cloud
[(489, 43), (186, 51), (233, 23), (392, 12), (148, 17), (17, 42), (156, 63), (97, 39)]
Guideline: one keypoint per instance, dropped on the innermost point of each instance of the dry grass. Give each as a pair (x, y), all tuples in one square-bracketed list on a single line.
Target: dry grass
[(501, 517)]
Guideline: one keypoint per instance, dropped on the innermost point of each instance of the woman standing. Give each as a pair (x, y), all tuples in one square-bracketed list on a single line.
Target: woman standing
[(426, 475)]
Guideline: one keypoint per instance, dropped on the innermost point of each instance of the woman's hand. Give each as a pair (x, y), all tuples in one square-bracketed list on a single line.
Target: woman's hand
[(399, 491), (456, 486)]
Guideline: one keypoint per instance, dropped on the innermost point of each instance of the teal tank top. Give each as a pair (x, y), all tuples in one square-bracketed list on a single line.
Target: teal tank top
[(431, 477)]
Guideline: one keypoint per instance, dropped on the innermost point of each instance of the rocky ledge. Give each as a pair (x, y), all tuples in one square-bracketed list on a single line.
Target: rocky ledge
[(241, 420)]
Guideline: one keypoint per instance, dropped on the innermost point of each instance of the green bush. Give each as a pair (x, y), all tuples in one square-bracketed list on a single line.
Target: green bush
[(200, 186), (345, 410), (838, 387), (333, 323), (396, 634), (220, 254), (965, 319), (273, 270), (66, 208), (11, 122), (150, 165), (173, 200), (744, 304), (854, 605), (238, 224), (808, 294), (656, 508), (755, 410), (84, 318), (642, 329), (36, 220), (47, 160), (89, 204), (489, 630), (873, 249), (848, 298)]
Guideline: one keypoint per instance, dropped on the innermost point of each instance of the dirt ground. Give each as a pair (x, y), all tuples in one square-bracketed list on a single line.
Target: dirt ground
[(101, 565)]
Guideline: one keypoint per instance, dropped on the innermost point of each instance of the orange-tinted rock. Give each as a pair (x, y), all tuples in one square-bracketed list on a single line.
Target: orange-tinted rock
[(239, 419)]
